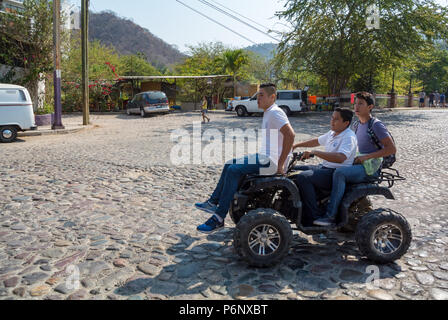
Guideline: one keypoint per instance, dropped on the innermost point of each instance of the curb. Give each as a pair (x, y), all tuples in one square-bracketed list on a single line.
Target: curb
[(47, 132)]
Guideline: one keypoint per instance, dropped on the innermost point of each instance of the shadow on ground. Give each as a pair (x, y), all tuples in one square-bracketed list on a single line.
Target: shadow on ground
[(210, 270)]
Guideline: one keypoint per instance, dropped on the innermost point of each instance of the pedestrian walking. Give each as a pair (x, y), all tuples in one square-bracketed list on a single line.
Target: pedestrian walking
[(204, 110), (442, 100)]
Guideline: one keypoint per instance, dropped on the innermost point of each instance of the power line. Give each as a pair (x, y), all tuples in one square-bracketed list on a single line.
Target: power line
[(236, 18), (219, 4), (205, 16)]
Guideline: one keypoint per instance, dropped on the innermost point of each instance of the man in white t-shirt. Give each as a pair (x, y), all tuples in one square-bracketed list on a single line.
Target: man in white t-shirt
[(277, 141), (340, 151)]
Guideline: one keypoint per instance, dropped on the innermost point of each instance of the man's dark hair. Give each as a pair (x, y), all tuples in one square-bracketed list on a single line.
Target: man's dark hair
[(346, 114), (270, 88), (366, 96)]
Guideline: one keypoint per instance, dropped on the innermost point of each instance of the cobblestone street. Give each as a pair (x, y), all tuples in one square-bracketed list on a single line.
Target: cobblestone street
[(108, 201)]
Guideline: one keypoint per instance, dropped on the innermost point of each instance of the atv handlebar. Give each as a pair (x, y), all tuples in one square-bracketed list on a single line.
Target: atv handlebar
[(296, 156)]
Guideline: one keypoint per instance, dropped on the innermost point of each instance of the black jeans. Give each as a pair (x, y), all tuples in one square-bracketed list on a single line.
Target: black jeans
[(311, 179)]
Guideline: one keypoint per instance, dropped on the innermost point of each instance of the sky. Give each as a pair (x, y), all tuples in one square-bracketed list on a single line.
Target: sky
[(180, 26)]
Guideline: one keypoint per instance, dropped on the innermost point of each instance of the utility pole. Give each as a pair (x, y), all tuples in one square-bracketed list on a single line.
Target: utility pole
[(85, 60), (57, 121)]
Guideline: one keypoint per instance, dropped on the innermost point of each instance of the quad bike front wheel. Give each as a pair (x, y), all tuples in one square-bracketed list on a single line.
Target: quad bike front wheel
[(235, 215), (262, 237), (383, 235)]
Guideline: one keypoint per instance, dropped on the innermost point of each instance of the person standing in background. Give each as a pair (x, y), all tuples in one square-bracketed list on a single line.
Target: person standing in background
[(422, 99), (431, 99), (436, 98)]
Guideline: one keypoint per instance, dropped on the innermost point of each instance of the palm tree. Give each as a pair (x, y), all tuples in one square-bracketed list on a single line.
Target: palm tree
[(232, 61)]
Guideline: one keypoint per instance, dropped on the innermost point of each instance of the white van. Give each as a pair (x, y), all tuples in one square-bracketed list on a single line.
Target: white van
[(16, 112), (288, 100)]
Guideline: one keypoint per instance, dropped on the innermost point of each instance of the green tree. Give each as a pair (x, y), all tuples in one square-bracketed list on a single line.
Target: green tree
[(202, 60), (100, 56), (232, 62), (258, 69), (432, 69), (136, 65), (26, 45), (331, 39), (104, 68)]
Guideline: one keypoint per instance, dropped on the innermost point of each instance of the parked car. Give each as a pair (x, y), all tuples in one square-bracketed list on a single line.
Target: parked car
[(16, 112), (288, 100), (148, 102)]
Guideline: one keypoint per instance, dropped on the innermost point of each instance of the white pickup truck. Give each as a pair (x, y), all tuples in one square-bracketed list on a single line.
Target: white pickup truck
[(288, 100)]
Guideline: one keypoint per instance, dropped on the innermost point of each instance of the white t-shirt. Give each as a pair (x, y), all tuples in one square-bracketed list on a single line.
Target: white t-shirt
[(274, 119), (345, 143)]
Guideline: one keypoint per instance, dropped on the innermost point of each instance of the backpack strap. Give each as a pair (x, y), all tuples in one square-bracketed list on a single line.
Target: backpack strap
[(355, 125), (372, 134)]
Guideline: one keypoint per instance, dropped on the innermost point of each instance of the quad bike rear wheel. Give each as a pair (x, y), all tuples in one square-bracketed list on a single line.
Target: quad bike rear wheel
[(357, 210), (262, 237), (383, 235)]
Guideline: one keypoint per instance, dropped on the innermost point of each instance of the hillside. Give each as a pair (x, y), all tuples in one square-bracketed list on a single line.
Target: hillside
[(129, 38), (266, 50)]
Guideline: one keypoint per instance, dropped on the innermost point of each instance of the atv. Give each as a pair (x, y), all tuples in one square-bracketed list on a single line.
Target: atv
[(265, 207)]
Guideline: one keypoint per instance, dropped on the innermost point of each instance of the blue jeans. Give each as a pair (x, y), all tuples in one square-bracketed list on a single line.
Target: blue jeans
[(230, 177), (311, 179), (342, 176)]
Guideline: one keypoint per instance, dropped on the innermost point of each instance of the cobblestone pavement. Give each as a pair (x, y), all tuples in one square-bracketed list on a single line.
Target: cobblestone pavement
[(105, 204)]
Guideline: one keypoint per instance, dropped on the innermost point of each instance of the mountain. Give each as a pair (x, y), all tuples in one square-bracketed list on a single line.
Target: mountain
[(129, 38), (266, 50)]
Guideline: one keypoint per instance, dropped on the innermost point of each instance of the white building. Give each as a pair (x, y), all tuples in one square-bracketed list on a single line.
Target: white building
[(11, 5), (71, 14)]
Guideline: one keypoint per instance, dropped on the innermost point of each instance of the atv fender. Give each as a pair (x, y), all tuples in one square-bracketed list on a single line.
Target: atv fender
[(278, 182), (358, 191)]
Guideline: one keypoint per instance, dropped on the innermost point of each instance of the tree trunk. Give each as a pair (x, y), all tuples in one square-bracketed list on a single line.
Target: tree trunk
[(33, 89), (234, 86)]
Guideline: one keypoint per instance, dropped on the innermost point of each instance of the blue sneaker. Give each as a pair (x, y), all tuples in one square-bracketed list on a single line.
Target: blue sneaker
[(211, 225), (206, 206)]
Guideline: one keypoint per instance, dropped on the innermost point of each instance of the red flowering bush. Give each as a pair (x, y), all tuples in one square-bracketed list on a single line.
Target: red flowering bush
[(71, 96), (102, 94)]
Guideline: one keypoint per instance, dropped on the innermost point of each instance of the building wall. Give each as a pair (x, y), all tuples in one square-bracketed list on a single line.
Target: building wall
[(246, 90), (71, 13), (72, 16), (11, 5)]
